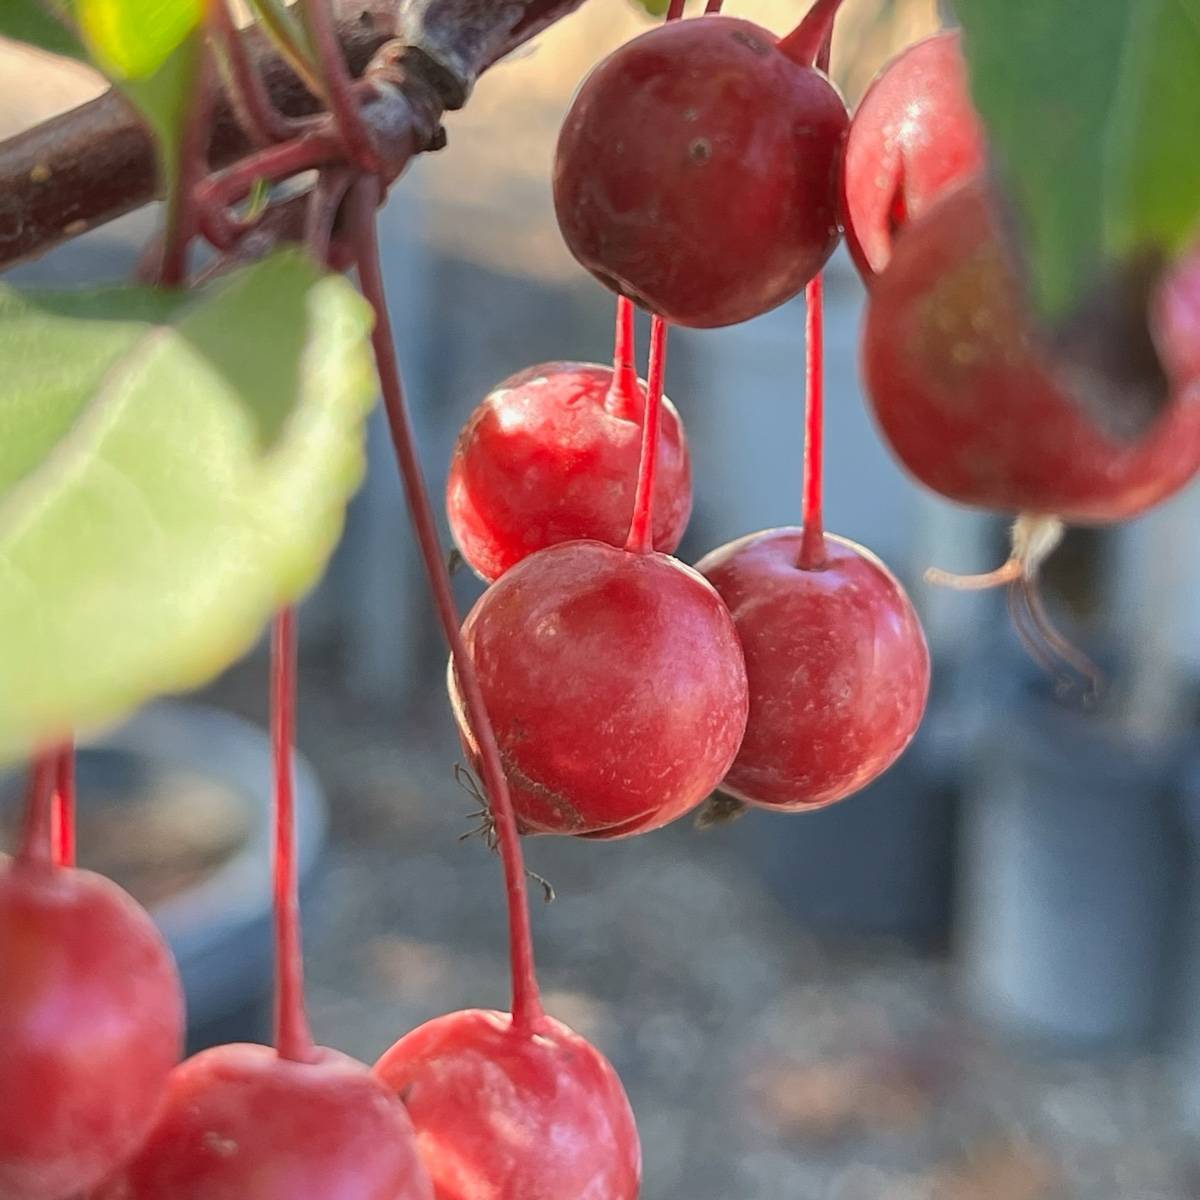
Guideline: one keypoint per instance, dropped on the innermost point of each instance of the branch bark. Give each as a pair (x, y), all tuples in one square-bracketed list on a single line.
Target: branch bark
[(95, 163)]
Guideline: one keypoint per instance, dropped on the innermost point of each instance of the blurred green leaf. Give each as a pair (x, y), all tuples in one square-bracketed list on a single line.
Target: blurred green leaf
[(173, 468), (1093, 112), (132, 39), (35, 24)]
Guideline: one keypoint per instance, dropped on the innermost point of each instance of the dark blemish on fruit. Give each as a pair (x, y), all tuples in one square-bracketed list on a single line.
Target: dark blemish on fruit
[(700, 150), (757, 45)]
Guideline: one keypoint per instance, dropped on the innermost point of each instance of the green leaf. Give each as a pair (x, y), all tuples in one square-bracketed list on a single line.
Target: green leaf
[(35, 24), (1092, 109), (131, 39), (173, 468), (656, 8)]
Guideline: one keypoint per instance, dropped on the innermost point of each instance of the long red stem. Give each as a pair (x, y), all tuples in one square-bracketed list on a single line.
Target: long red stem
[(622, 399), (526, 1002), (36, 844), (293, 1039), (812, 541), (182, 223), (261, 122), (339, 91), (675, 10), (803, 44), (62, 815), (641, 528), (713, 6)]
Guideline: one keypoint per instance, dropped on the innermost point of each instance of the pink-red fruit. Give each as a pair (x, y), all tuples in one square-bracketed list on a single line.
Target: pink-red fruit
[(696, 171), (241, 1123), (615, 685), (914, 136), (551, 455), (837, 665), (976, 409), (91, 1023), (504, 1113)]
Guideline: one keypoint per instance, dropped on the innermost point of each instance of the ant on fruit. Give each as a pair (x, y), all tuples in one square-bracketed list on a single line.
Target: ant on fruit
[(486, 829), (1033, 539)]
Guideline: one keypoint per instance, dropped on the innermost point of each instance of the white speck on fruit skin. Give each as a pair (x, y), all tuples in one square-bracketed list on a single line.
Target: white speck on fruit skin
[(222, 1147)]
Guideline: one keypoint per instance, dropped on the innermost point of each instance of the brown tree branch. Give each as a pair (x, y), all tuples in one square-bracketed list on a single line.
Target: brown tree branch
[(95, 163)]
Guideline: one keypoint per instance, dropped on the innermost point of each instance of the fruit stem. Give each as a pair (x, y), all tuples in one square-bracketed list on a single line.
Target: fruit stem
[(526, 1002), (675, 10), (803, 44), (35, 846), (713, 6), (62, 812), (812, 538), (622, 398), (641, 528), (293, 1039)]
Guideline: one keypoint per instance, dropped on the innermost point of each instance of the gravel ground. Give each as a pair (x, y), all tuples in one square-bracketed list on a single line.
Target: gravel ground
[(762, 1062)]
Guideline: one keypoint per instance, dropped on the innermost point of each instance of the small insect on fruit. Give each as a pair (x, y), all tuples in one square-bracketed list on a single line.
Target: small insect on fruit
[(696, 171), (837, 666), (510, 1113), (551, 455), (914, 136)]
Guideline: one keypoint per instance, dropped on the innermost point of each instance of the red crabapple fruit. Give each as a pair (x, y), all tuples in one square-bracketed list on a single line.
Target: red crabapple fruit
[(973, 405), (551, 455), (91, 1023), (504, 1113), (697, 171), (837, 666), (615, 684), (914, 135)]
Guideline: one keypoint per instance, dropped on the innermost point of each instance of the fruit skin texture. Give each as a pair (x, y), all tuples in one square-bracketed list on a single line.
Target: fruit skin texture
[(971, 406), (508, 1114), (696, 172), (241, 1123), (91, 1023), (837, 664), (550, 456), (615, 684), (914, 136)]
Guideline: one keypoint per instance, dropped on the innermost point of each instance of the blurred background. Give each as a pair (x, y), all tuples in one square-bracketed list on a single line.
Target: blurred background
[(977, 980)]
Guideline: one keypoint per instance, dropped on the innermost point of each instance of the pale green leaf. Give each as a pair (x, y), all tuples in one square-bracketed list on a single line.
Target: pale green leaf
[(172, 469)]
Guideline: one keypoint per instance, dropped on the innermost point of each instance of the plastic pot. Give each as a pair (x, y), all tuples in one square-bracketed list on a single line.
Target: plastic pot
[(877, 864), (176, 805), (1071, 870)]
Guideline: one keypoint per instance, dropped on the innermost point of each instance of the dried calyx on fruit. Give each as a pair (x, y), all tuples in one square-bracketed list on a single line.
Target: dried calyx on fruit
[(697, 169)]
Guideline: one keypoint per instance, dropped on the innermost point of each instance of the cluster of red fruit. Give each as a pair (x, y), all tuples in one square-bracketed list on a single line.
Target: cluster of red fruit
[(705, 172)]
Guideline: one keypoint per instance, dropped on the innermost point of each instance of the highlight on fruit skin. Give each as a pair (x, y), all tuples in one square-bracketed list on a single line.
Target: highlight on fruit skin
[(551, 455), (241, 1122), (972, 404), (615, 683), (696, 171), (91, 1024), (509, 1113), (837, 666), (914, 135)]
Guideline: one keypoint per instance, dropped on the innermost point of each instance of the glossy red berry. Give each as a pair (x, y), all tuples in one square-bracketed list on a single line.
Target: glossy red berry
[(837, 665), (504, 1113), (551, 455), (615, 684), (241, 1123), (973, 406), (91, 1023), (696, 171), (915, 135)]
